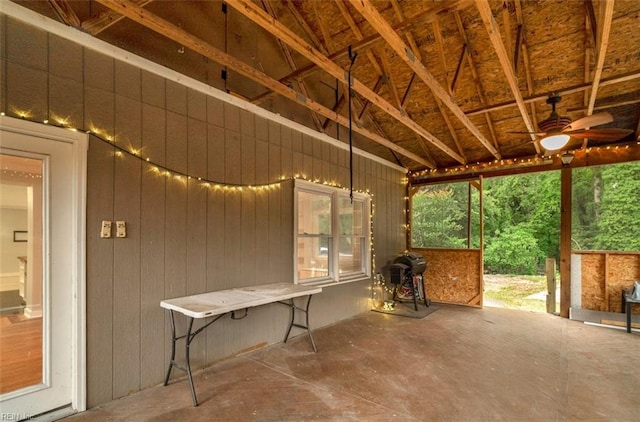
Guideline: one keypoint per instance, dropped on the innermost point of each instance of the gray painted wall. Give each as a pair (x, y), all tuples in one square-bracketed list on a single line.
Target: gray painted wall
[(182, 238)]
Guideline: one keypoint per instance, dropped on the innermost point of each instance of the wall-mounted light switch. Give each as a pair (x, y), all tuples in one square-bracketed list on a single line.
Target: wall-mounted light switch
[(121, 229), (105, 229)]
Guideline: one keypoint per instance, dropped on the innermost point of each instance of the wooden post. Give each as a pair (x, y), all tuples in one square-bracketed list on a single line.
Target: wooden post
[(565, 242), (550, 271)]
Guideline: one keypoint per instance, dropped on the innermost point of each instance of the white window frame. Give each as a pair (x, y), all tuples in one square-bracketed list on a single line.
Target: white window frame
[(334, 276)]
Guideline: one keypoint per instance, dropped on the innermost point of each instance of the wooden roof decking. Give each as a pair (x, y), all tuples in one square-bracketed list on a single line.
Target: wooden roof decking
[(437, 83)]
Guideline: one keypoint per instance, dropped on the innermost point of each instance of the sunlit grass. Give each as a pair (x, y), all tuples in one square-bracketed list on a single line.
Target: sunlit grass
[(514, 292)]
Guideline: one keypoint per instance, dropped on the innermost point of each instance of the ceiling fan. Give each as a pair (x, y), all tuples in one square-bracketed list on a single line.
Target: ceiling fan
[(556, 130)]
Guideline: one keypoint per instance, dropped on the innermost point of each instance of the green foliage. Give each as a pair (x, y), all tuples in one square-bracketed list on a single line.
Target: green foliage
[(605, 211), (438, 217), (525, 209), (522, 216), (514, 251), (619, 222)]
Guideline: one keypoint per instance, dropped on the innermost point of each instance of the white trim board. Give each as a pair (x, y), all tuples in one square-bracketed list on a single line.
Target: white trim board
[(42, 22), (80, 144)]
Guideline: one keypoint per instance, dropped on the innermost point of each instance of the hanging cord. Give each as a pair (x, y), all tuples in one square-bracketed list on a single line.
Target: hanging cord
[(352, 59)]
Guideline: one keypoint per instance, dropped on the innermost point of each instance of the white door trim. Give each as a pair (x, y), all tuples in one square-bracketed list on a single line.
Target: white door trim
[(79, 142)]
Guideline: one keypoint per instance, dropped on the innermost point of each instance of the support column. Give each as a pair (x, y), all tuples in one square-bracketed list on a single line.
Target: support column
[(565, 241)]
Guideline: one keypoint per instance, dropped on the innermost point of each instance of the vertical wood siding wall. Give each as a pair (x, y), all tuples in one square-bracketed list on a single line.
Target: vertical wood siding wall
[(183, 238)]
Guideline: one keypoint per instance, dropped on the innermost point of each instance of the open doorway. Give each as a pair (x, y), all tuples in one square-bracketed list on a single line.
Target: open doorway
[(21, 323), (522, 238), (42, 176)]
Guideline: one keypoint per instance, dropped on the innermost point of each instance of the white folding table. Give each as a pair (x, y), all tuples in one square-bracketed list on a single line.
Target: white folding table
[(220, 303)]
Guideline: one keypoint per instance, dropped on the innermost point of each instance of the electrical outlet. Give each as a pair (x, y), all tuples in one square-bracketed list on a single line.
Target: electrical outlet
[(121, 229), (105, 230)]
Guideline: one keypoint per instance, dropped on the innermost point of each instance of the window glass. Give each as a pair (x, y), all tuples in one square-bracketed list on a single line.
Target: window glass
[(313, 257), (351, 254), (314, 213), (332, 235)]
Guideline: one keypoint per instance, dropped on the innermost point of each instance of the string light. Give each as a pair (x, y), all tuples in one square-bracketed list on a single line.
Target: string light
[(120, 151)]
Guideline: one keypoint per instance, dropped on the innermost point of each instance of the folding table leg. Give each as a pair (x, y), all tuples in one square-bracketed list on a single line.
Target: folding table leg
[(292, 322), (172, 362)]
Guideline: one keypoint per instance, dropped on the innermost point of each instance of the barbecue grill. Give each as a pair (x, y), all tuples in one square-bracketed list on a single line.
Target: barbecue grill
[(407, 277)]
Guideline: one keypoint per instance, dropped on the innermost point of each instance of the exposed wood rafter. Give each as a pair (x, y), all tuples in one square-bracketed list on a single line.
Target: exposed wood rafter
[(423, 17), (167, 29), (603, 43), (393, 39), (496, 39), (474, 75), (65, 12), (249, 9), (286, 52), (104, 20), (522, 48)]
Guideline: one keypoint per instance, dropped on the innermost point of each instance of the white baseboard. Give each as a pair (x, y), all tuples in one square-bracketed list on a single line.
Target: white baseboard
[(34, 311), (9, 281)]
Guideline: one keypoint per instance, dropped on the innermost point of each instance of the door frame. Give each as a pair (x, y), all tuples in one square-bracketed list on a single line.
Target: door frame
[(79, 142)]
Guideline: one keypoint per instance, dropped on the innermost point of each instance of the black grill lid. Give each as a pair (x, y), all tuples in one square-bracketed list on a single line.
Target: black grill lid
[(414, 260)]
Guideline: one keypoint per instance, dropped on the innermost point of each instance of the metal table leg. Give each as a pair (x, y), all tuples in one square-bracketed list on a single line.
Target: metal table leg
[(188, 337), (292, 322)]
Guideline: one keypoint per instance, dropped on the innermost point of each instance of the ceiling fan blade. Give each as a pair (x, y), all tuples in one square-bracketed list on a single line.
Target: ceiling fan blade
[(589, 121), (612, 134), (529, 133)]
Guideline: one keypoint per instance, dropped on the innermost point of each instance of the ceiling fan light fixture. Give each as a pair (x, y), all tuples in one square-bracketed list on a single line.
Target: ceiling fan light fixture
[(554, 141)]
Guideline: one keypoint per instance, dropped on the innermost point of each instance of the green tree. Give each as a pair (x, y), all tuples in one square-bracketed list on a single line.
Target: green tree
[(530, 203), (514, 251), (438, 217), (619, 222)]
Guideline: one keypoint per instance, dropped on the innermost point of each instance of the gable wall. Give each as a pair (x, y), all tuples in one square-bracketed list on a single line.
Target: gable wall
[(183, 238)]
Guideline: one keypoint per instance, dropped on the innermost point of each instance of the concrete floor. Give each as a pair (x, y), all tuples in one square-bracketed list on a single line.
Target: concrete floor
[(457, 364)]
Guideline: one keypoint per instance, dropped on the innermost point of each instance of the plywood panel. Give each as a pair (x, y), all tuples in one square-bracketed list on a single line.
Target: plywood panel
[(177, 142), (215, 263), (100, 182), (452, 276), (154, 325), (128, 81), (126, 278), (197, 195), (197, 105), (274, 272), (593, 282), (98, 71), (176, 95), (66, 59), (604, 275), (153, 90), (154, 133)]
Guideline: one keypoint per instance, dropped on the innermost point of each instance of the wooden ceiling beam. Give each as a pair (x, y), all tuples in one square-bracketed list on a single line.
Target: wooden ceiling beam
[(484, 8), (475, 76), (104, 20), (171, 31), (288, 56), (437, 33), (356, 31), (603, 43), (251, 11), (376, 20), (364, 113), (527, 65), (305, 26), (423, 17), (65, 12), (563, 91), (416, 51)]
